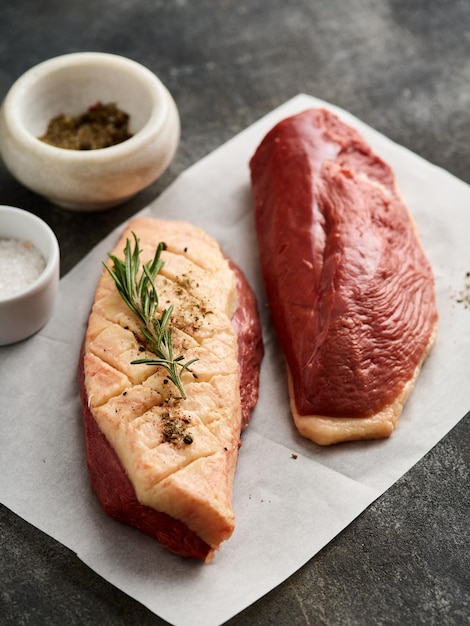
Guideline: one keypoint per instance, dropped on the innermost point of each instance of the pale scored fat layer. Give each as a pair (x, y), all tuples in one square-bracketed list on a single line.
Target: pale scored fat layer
[(133, 404)]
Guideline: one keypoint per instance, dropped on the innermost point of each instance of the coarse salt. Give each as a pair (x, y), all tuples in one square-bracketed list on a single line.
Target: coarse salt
[(20, 264)]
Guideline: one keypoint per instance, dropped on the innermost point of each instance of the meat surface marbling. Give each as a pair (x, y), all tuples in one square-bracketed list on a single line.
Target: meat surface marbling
[(350, 289)]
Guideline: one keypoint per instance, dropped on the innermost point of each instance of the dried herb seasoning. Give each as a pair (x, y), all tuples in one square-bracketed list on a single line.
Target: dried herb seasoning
[(174, 428), (101, 126)]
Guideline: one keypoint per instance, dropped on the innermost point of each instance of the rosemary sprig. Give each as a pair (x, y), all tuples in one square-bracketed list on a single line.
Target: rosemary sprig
[(140, 295)]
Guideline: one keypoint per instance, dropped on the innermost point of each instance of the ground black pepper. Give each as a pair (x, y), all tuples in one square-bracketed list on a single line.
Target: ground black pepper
[(174, 428), (463, 296)]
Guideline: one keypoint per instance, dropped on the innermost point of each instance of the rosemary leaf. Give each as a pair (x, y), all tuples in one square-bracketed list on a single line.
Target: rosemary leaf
[(140, 295)]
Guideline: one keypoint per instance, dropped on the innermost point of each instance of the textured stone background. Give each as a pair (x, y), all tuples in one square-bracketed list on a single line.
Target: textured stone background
[(401, 66)]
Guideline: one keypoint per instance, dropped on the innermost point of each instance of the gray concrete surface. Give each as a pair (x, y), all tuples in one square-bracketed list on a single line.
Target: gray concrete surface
[(404, 68)]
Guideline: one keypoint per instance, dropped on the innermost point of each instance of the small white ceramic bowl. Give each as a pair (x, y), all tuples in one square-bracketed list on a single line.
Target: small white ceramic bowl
[(25, 311), (88, 180)]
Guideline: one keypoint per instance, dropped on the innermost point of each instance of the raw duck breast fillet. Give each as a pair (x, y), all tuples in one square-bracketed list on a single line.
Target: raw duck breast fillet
[(350, 289), (157, 461)]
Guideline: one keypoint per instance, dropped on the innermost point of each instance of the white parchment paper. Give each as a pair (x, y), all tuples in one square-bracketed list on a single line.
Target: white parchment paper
[(287, 508)]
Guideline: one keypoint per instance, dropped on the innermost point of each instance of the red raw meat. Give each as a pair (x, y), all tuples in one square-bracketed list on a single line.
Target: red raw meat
[(351, 292)]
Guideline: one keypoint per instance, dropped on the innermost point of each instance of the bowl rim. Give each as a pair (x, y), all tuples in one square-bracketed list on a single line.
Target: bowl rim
[(155, 123), (52, 263)]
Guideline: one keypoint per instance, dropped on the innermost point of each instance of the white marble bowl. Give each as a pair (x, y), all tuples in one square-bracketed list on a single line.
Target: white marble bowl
[(26, 310), (88, 180)]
